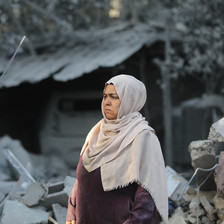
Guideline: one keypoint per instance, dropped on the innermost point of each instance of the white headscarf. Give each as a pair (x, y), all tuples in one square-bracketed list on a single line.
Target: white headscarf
[(125, 148)]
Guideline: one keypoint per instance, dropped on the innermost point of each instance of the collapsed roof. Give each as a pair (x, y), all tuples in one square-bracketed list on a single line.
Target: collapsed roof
[(102, 48)]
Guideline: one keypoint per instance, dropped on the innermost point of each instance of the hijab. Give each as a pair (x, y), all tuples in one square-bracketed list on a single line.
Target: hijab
[(126, 149)]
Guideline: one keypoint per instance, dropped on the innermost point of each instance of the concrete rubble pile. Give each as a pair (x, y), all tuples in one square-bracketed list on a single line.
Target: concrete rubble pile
[(36, 189), (202, 199)]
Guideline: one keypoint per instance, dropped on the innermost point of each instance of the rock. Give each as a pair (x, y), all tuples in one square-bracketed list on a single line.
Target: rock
[(59, 213), (17, 212), (33, 194), (203, 156), (192, 219), (193, 208), (205, 220), (219, 205), (216, 133), (60, 197), (219, 175), (210, 210)]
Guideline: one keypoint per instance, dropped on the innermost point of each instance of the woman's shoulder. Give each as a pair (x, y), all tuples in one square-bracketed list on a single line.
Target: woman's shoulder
[(147, 133)]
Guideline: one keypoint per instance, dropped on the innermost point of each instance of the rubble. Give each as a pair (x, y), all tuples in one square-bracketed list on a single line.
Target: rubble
[(33, 194), (204, 202), (59, 213), (45, 199), (17, 212), (61, 196), (216, 133), (15, 146), (202, 154)]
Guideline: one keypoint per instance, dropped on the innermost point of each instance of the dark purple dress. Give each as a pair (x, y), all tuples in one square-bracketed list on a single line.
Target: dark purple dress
[(90, 204)]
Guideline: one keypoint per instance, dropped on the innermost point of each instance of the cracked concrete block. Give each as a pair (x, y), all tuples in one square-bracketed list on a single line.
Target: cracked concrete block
[(216, 133), (55, 187), (219, 175), (59, 213), (210, 210), (33, 194), (219, 205), (17, 212), (60, 197), (202, 154)]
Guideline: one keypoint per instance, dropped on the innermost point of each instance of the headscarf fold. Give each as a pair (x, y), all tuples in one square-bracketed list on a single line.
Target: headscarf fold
[(125, 148)]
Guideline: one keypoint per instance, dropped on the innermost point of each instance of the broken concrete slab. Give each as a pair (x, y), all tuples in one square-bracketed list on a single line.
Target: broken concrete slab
[(55, 187), (17, 149), (33, 194), (60, 197), (202, 154), (59, 213), (219, 175), (17, 212), (216, 133), (26, 178)]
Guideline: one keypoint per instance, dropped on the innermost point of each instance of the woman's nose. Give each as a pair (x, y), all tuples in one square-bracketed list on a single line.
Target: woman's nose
[(107, 101)]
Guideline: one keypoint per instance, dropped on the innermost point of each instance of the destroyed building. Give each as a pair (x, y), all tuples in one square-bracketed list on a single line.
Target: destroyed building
[(45, 98)]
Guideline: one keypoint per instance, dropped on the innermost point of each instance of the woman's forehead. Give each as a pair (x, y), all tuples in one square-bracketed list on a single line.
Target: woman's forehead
[(110, 89)]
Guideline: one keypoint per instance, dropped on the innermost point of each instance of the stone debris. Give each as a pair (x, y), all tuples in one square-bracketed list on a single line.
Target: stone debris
[(61, 196), (204, 203), (45, 200), (59, 213), (202, 154), (17, 212), (209, 209), (15, 146), (216, 133), (34, 194)]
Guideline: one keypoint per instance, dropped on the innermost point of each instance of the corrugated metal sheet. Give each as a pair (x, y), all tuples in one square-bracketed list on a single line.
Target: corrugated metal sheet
[(105, 48)]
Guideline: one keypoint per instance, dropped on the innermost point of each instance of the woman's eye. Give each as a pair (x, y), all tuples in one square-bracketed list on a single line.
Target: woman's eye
[(114, 97)]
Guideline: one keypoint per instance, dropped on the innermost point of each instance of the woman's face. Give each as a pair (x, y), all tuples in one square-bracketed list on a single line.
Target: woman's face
[(111, 103)]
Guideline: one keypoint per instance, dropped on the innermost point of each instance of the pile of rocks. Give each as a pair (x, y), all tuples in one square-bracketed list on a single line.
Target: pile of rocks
[(204, 203), (44, 200)]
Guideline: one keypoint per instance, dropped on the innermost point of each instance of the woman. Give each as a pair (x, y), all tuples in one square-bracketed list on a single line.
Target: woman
[(121, 175)]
